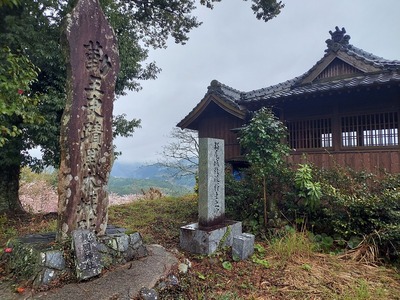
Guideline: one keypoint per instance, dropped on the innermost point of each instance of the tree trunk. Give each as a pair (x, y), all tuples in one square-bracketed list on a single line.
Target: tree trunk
[(265, 202), (10, 167), (270, 208)]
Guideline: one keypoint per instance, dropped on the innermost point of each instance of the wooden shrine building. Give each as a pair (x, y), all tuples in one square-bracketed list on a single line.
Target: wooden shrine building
[(344, 110)]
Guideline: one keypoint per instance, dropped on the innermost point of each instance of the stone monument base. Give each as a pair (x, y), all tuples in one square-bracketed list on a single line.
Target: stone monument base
[(38, 257), (203, 240)]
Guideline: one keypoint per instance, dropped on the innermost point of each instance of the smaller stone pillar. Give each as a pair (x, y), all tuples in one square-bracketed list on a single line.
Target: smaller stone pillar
[(212, 228), (211, 182)]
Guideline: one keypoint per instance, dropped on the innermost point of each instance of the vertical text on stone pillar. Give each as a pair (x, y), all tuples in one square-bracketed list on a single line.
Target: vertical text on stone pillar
[(216, 178)]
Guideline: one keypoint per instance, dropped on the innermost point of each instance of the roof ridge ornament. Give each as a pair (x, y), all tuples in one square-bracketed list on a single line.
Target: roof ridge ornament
[(215, 86), (338, 39)]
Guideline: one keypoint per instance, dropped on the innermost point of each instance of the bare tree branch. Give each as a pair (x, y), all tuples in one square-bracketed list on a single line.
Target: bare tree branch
[(182, 153)]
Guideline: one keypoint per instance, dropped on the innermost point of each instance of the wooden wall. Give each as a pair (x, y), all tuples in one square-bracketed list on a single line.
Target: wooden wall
[(335, 106), (219, 124), (371, 161), (215, 122)]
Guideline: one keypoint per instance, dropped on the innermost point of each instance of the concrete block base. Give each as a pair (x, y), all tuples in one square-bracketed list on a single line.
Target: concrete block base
[(201, 240), (243, 246)]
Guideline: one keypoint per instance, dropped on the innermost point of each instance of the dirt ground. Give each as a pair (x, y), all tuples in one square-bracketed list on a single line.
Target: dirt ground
[(264, 276)]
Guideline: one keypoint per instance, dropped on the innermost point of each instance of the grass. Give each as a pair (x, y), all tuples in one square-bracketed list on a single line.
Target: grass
[(157, 220), (362, 290), (285, 267), (290, 244)]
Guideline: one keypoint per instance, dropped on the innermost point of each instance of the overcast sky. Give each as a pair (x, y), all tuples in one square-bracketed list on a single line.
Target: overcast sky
[(238, 50)]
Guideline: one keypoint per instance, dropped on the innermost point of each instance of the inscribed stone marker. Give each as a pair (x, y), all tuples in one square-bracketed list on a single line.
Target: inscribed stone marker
[(211, 182), (87, 257), (86, 127), (212, 229)]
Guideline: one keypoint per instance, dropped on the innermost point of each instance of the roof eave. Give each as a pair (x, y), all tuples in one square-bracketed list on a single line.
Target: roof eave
[(271, 101), (345, 57), (232, 109)]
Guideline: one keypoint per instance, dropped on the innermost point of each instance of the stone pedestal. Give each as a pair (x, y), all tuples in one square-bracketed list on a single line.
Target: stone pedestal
[(202, 240)]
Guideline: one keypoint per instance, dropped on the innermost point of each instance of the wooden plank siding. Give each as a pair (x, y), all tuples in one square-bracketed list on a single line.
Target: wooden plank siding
[(337, 68), (373, 162), (351, 109), (219, 125), (349, 106)]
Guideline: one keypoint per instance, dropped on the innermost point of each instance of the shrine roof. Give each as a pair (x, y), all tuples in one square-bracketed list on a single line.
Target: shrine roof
[(363, 69), (369, 69)]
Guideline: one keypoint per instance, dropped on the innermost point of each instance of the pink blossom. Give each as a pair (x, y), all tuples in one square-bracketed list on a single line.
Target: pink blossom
[(40, 197)]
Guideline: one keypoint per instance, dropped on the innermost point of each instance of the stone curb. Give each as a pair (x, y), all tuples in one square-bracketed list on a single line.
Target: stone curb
[(124, 282)]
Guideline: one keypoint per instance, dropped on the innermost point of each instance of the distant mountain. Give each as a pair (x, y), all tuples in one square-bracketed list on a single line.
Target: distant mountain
[(135, 170), (143, 176), (126, 186)]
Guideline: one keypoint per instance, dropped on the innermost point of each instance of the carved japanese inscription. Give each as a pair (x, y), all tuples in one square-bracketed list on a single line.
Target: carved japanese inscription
[(87, 257), (86, 129), (211, 182), (218, 167)]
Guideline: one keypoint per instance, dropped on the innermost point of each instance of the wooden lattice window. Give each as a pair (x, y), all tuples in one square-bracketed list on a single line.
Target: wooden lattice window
[(372, 130), (310, 134)]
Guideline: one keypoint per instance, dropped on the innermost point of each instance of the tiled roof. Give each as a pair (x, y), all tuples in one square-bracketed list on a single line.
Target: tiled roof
[(289, 88), (224, 91), (385, 71), (225, 96), (370, 70), (340, 41), (371, 58)]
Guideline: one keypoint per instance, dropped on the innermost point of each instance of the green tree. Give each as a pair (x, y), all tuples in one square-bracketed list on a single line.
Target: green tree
[(9, 3), (307, 189), (18, 109), (263, 142), (33, 28), (17, 104)]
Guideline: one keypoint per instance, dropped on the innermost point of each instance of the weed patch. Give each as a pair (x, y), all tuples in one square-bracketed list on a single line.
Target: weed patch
[(158, 220), (287, 267), (291, 243)]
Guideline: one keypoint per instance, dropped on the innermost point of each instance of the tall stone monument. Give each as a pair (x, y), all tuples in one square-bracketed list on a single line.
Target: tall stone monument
[(86, 126), (211, 182), (212, 227)]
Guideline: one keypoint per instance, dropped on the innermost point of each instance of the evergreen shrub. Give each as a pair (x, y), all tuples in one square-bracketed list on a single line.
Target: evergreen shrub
[(353, 207)]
